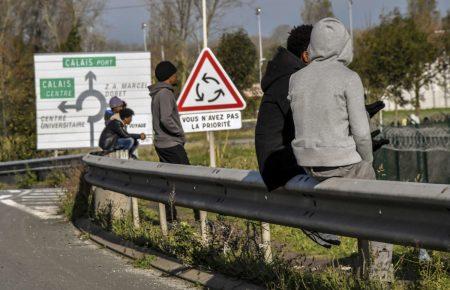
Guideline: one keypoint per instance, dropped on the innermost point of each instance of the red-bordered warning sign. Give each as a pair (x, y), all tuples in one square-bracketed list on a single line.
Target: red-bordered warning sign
[(209, 88)]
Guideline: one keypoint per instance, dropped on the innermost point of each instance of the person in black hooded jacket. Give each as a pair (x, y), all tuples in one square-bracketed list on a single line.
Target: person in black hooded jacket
[(275, 126)]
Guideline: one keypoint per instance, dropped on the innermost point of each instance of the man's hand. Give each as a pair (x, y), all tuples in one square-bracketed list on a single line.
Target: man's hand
[(374, 108), (143, 136)]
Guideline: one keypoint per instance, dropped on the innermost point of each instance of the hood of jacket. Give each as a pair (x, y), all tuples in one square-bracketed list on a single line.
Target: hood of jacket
[(155, 88), (283, 63), (330, 41)]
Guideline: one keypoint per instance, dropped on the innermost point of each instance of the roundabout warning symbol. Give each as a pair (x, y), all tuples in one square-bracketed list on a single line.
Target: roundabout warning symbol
[(79, 105), (209, 88)]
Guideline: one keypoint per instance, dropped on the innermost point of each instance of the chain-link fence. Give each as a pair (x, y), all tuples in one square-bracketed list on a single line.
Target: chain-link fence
[(415, 154)]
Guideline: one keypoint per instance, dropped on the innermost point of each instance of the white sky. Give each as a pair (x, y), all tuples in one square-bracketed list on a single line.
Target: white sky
[(125, 24)]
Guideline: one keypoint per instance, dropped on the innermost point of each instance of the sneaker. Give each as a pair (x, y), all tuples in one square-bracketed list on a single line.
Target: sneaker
[(424, 256), (314, 237)]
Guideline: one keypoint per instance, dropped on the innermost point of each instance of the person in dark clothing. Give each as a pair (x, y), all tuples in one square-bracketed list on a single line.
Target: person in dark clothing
[(275, 126), (168, 133), (115, 135)]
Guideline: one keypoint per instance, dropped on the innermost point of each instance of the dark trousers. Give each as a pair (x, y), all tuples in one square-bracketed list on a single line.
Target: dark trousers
[(175, 155)]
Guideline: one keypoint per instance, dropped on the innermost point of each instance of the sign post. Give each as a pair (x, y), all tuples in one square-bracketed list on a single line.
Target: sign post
[(209, 102), (212, 150)]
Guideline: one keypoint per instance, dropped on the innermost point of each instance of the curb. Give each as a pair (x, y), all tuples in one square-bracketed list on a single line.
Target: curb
[(161, 262)]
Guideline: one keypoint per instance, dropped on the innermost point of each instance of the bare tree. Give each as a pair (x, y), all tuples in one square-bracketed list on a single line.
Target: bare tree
[(314, 10), (61, 17), (174, 27)]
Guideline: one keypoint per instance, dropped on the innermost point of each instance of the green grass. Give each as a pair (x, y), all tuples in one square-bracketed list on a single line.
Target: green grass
[(144, 262), (243, 259), (227, 156), (389, 116)]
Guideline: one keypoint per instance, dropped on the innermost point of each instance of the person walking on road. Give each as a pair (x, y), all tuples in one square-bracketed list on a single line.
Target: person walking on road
[(169, 138), (332, 133)]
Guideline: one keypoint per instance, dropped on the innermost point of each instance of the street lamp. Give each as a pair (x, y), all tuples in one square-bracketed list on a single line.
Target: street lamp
[(261, 59), (144, 27), (350, 17)]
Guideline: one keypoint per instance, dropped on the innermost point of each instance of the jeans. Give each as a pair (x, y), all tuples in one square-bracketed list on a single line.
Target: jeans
[(129, 144)]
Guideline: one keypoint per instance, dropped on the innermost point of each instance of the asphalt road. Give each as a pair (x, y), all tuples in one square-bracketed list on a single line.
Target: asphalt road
[(39, 250)]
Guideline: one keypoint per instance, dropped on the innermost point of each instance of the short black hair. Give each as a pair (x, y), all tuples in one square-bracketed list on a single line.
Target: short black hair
[(298, 39), (125, 113)]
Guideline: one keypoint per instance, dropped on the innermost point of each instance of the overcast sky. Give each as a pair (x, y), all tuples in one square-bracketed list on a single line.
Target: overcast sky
[(124, 23)]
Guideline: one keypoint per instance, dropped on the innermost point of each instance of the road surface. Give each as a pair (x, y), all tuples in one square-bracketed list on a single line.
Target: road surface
[(39, 250)]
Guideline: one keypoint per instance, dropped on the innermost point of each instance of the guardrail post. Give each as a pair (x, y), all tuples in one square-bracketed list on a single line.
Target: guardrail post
[(123, 154), (203, 228), (163, 218), (133, 200), (265, 238), (375, 261)]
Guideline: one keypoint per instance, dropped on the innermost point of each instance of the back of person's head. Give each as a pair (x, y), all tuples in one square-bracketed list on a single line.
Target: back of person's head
[(330, 40), (298, 39), (164, 70), (125, 113), (115, 102)]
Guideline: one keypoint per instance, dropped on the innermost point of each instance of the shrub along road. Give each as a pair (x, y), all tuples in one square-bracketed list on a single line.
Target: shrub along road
[(39, 250)]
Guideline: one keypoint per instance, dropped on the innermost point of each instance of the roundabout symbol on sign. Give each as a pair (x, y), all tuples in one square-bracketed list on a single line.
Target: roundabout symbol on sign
[(78, 106), (201, 96)]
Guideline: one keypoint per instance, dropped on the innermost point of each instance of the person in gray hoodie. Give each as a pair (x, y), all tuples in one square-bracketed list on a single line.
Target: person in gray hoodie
[(168, 132), (332, 134)]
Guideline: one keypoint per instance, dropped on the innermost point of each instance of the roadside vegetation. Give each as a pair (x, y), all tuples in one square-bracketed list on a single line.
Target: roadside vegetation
[(234, 249)]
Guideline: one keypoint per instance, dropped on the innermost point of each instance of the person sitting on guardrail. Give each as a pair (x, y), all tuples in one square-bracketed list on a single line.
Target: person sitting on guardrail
[(115, 136), (275, 127), (169, 136), (116, 104), (332, 133)]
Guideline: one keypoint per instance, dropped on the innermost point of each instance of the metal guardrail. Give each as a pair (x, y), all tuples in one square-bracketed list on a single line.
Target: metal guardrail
[(412, 214), (39, 164)]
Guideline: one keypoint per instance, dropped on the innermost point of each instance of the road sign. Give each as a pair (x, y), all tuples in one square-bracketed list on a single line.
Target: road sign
[(73, 91), (215, 121), (209, 88)]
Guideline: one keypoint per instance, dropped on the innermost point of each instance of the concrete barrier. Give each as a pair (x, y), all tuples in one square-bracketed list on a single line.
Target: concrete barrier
[(108, 202)]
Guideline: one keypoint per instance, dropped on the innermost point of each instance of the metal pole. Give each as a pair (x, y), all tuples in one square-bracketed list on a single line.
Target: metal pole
[(265, 227), (161, 39), (350, 17), (3, 96), (212, 151), (144, 32), (258, 14), (205, 28)]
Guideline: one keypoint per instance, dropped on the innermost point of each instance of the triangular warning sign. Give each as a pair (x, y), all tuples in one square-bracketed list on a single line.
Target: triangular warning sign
[(209, 88)]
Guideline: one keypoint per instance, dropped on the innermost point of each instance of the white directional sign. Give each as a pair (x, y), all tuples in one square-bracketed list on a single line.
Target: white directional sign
[(73, 92), (207, 95)]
